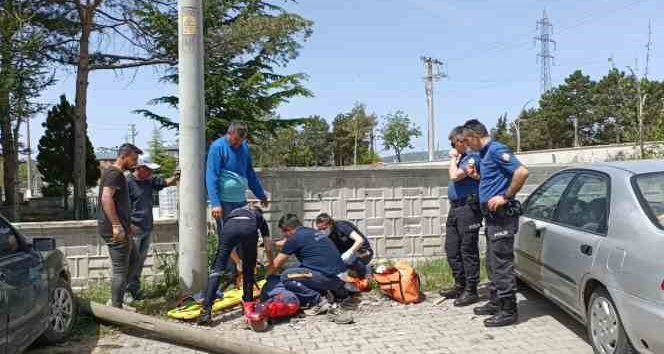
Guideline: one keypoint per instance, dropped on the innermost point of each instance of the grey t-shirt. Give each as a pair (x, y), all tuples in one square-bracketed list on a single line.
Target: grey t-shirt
[(140, 195), (114, 178)]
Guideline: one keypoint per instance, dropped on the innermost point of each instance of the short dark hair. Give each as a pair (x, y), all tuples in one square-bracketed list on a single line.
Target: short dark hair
[(324, 218), (240, 128), (476, 127), (128, 149), (456, 132), (290, 221)]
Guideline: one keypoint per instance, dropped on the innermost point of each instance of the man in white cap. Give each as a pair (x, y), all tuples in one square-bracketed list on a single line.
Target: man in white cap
[(142, 185)]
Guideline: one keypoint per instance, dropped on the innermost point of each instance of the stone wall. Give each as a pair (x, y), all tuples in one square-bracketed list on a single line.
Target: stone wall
[(402, 210)]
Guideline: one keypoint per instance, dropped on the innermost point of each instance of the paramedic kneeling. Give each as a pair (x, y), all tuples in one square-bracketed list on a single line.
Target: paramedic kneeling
[(320, 265), (354, 247)]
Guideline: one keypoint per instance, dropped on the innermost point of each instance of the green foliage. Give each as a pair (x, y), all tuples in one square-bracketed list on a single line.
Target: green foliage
[(436, 273), (398, 131), (159, 155), (309, 144), (247, 45), (56, 151), (502, 133), (352, 133), (606, 111)]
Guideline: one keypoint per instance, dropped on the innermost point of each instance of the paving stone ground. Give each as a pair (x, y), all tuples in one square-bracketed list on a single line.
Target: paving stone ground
[(383, 326)]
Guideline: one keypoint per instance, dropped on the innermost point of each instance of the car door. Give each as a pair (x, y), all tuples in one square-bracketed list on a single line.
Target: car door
[(25, 289), (572, 241), (539, 211)]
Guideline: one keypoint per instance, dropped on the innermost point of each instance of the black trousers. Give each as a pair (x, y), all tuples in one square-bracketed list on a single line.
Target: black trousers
[(462, 245), (235, 232), (500, 231)]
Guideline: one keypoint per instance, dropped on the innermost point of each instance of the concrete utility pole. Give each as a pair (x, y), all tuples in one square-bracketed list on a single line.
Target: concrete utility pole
[(432, 73), (192, 221), (641, 101), (576, 129)]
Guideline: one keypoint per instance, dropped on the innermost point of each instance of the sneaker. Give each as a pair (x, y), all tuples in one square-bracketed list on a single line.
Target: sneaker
[(128, 298), (339, 316), (205, 316), (318, 309)]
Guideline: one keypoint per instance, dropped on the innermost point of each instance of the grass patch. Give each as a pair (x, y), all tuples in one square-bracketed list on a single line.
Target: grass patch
[(436, 273)]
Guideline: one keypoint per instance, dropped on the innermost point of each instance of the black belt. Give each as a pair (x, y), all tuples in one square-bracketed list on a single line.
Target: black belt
[(457, 203)]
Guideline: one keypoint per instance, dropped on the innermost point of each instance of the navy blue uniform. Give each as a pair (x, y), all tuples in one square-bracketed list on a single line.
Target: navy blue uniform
[(359, 261), (320, 264), (240, 227), (498, 164), (464, 221)]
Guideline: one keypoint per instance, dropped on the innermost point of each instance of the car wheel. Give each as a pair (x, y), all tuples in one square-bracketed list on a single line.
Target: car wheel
[(605, 329), (62, 313)]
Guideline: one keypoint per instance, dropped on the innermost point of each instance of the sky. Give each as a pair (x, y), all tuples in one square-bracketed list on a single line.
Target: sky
[(369, 51)]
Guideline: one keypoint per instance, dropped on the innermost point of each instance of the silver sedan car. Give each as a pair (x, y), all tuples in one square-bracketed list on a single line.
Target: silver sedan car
[(592, 240)]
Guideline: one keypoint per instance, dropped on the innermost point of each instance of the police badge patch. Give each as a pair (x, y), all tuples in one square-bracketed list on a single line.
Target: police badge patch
[(506, 157)]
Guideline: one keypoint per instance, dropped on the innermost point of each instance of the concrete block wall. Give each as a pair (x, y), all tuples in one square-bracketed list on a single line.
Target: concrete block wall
[(402, 210)]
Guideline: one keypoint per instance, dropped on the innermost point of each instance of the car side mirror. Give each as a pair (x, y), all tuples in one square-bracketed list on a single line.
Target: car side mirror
[(43, 244)]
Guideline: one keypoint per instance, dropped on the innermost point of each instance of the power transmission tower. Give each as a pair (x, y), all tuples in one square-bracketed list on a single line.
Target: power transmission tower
[(545, 58), (648, 46), (433, 72), (131, 135)]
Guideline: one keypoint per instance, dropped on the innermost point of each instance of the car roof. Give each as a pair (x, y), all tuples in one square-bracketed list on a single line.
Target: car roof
[(632, 167)]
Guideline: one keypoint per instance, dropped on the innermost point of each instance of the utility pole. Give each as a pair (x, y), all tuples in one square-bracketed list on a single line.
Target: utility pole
[(648, 46), (544, 57), (641, 101), (192, 250), (576, 129), (432, 73), (28, 192)]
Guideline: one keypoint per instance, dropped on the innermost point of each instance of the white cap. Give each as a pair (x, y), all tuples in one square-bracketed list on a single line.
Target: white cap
[(144, 161)]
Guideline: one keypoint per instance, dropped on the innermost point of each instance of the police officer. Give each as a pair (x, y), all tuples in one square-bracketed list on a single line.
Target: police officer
[(464, 221), (502, 178)]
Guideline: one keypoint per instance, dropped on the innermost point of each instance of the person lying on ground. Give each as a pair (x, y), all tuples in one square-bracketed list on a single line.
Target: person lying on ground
[(320, 265), (241, 227), (354, 247)]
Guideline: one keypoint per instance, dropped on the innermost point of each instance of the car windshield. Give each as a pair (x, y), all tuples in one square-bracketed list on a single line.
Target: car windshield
[(651, 187)]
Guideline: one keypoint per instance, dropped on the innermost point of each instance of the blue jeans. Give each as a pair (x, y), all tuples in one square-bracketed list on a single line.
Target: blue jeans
[(142, 241), (308, 289)]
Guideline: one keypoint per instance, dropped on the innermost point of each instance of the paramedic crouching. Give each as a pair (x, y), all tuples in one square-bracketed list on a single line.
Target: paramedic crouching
[(320, 265), (354, 247)]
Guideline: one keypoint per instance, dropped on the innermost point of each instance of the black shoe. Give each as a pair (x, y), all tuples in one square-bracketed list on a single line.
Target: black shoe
[(490, 308), (452, 293), (205, 317), (468, 297), (507, 315)]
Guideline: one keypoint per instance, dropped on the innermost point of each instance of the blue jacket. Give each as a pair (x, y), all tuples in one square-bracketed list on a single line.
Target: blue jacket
[(225, 160)]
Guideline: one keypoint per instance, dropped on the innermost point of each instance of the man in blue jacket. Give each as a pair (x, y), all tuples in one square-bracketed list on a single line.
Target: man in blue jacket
[(230, 172)]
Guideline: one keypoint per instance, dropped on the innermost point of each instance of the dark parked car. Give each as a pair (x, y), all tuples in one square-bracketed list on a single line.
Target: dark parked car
[(36, 300)]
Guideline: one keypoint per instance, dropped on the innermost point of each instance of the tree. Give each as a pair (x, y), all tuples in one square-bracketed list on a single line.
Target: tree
[(351, 134), (247, 45), (159, 155), (56, 152), (316, 139), (23, 76), (398, 131), (78, 29), (502, 133)]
